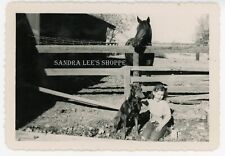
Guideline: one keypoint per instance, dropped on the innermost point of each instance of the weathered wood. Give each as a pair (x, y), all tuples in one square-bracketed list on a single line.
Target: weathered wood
[(135, 63), (166, 70), (197, 56), (119, 71), (172, 70), (103, 90), (185, 98), (160, 49), (185, 102), (170, 78), (83, 49), (181, 89), (83, 71), (77, 99), (118, 49), (127, 82)]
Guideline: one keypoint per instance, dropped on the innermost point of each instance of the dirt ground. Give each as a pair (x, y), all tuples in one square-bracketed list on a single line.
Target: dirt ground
[(69, 118)]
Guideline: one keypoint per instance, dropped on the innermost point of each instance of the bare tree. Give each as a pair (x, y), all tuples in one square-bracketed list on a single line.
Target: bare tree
[(122, 22), (202, 35)]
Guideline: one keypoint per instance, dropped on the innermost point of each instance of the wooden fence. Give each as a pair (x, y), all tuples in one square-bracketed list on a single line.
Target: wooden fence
[(126, 70)]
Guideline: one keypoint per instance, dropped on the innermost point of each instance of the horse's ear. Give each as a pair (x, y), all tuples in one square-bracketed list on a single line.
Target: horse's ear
[(148, 20), (139, 20)]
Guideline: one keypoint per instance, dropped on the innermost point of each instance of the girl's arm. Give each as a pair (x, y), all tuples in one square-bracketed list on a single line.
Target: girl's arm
[(145, 102), (144, 107), (166, 117)]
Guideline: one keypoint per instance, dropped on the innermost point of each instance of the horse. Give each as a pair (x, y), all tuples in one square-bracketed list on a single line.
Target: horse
[(142, 38)]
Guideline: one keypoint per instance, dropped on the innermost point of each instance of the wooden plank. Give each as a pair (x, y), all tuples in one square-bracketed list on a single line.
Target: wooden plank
[(177, 49), (197, 56), (169, 78), (105, 90), (127, 82), (83, 71), (135, 63), (119, 71), (171, 70), (183, 98), (77, 98), (83, 49), (168, 68), (181, 89), (186, 102), (119, 49)]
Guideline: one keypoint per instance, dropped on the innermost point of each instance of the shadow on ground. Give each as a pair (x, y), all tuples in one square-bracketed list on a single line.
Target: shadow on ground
[(30, 103)]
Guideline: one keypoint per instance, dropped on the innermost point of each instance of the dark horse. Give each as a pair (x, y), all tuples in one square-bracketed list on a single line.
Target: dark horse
[(142, 38)]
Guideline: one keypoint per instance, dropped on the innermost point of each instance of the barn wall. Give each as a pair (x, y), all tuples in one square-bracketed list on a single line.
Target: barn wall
[(30, 103), (34, 21), (29, 73), (73, 26)]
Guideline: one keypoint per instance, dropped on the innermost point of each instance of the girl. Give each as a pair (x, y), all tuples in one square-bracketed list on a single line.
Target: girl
[(159, 114)]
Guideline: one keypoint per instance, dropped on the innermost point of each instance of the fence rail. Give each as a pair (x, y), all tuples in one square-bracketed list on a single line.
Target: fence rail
[(118, 71), (83, 71), (127, 70), (118, 49)]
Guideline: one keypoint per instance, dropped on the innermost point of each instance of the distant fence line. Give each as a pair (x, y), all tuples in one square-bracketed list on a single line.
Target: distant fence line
[(44, 40)]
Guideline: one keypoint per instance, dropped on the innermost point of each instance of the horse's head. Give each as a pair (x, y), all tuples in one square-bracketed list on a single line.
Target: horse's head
[(143, 36)]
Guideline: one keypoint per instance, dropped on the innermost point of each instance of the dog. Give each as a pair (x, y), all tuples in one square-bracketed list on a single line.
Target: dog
[(129, 110)]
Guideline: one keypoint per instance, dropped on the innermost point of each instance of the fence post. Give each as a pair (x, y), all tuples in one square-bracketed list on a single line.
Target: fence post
[(197, 56), (34, 21), (135, 63), (126, 81)]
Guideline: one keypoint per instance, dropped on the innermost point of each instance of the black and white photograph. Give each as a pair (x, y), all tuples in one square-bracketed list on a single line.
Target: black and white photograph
[(143, 76)]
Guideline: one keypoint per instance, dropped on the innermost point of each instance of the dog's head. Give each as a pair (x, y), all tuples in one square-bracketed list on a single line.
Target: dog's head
[(136, 91), (135, 97)]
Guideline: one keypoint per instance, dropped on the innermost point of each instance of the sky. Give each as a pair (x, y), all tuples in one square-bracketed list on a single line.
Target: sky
[(167, 28)]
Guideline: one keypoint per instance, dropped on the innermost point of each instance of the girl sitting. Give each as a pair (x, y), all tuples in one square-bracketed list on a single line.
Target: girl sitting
[(160, 114)]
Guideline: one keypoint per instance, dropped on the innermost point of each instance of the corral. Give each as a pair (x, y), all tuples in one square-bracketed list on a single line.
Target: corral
[(186, 78), (82, 101)]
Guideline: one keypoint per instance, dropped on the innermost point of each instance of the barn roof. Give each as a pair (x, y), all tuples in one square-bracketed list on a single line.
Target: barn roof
[(102, 20)]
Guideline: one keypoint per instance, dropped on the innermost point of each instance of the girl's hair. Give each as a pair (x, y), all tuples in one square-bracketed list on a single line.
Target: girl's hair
[(157, 88)]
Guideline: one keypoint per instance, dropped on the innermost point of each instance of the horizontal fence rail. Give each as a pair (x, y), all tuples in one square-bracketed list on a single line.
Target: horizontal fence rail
[(181, 89), (165, 78), (171, 70), (161, 72), (83, 49), (83, 71), (119, 49), (119, 71)]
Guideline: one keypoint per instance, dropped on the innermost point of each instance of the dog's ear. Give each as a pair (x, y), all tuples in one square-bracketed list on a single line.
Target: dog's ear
[(131, 85), (132, 89), (135, 85)]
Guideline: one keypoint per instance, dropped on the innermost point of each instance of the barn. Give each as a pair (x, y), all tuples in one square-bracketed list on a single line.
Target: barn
[(33, 29), (70, 28)]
